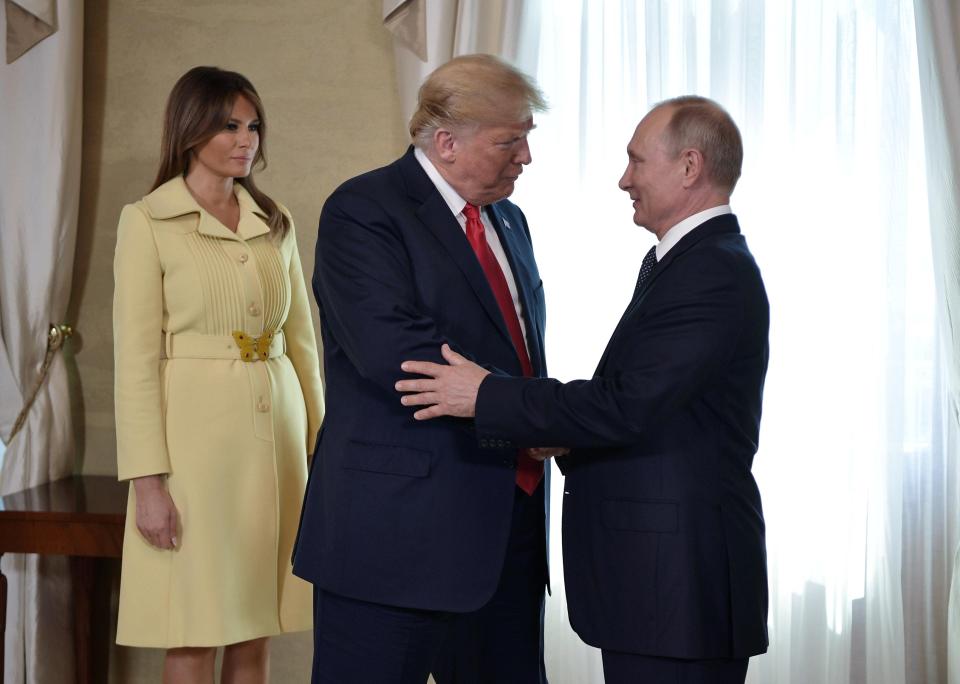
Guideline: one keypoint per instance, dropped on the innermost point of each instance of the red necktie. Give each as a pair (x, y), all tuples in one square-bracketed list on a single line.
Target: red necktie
[(529, 471)]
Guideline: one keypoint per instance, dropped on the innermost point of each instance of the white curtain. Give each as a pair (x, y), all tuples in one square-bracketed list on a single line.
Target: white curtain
[(428, 33), (938, 25), (856, 466), (40, 136)]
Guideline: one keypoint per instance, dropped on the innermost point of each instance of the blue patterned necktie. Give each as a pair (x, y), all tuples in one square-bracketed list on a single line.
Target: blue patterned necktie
[(646, 268)]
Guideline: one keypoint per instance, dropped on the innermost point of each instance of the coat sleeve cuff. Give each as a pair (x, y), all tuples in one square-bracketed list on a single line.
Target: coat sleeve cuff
[(497, 399)]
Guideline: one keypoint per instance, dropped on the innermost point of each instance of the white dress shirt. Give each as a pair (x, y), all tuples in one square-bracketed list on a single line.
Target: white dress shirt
[(673, 236), (456, 204)]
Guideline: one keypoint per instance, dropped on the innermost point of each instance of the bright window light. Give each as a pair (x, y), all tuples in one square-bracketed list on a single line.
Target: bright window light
[(833, 204)]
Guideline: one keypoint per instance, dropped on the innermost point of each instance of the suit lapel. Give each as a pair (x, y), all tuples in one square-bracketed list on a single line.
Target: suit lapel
[(435, 215), (726, 223), (512, 240)]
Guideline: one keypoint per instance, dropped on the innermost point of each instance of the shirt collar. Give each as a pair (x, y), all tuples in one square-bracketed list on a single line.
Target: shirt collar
[(450, 196), (676, 233)]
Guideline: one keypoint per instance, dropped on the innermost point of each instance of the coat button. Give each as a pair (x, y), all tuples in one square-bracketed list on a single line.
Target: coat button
[(253, 310), (263, 406), (244, 258)]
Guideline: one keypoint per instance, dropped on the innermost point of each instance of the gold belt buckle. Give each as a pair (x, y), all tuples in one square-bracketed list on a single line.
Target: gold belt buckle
[(253, 347)]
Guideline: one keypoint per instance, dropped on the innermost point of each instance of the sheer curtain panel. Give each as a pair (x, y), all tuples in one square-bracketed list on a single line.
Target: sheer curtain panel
[(938, 27), (853, 463)]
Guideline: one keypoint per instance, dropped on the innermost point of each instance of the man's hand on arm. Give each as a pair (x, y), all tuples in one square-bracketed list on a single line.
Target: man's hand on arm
[(452, 391), (447, 390)]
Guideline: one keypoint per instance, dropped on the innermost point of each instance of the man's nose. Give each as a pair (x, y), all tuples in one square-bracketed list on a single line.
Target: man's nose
[(523, 153)]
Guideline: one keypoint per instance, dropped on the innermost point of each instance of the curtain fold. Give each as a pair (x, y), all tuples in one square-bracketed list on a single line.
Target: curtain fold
[(28, 22), (39, 195), (938, 46)]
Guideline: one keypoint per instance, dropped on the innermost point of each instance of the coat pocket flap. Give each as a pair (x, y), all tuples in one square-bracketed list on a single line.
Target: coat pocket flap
[(388, 459), (640, 516)]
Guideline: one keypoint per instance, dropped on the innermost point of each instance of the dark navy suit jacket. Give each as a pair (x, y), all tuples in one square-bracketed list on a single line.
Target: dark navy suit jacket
[(663, 532), (400, 512)]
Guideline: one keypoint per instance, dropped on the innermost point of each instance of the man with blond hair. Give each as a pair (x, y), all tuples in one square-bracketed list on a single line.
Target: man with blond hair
[(427, 547), (663, 531)]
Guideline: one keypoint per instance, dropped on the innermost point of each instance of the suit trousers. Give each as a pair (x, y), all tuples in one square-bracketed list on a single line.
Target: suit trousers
[(358, 642), (631, 668), (502, 643)]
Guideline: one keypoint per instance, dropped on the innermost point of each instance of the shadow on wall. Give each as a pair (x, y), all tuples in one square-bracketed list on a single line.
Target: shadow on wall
[(94, 89), (92, 176)]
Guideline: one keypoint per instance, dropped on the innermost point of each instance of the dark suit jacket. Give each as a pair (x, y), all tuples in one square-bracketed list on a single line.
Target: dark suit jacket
[(663, 532), (400, 512)]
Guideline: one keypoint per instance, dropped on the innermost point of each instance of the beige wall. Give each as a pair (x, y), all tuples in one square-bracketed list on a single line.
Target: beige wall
[(324, 69)]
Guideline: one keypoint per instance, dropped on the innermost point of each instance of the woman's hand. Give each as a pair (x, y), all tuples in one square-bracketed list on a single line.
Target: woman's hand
[(156, 514)]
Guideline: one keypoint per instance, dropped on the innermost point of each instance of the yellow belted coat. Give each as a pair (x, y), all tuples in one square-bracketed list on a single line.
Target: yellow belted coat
[(231, 435)]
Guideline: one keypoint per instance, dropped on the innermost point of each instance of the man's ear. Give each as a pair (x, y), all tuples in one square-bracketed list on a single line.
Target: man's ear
[(692, 159), (445, 143)]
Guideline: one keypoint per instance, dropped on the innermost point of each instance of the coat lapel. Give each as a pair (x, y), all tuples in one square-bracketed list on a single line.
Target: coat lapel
[(726, 223), (512, 239), (173, 199), (253, 219), (435, 215)]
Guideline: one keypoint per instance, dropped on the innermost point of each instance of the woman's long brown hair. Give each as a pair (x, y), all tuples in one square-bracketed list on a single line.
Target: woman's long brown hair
[(199, 107)]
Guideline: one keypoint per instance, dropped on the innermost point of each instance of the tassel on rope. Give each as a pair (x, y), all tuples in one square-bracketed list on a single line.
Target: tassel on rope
[(56, 336)]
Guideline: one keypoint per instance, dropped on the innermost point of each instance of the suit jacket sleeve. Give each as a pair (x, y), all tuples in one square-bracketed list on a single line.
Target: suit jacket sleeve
[(684, 332), (365, 285), (137, 329), (302, 344)]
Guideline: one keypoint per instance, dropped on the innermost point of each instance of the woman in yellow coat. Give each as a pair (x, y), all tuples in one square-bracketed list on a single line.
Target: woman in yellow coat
[(218, 394)]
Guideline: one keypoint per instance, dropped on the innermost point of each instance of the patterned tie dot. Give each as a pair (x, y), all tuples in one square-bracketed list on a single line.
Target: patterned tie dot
[(649, 261)]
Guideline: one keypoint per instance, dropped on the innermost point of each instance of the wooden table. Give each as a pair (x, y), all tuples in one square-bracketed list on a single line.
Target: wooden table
[(81, 517)]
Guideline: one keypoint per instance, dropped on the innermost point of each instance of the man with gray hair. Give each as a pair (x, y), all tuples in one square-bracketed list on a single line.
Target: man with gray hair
[(425, 545), (663, 531)]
